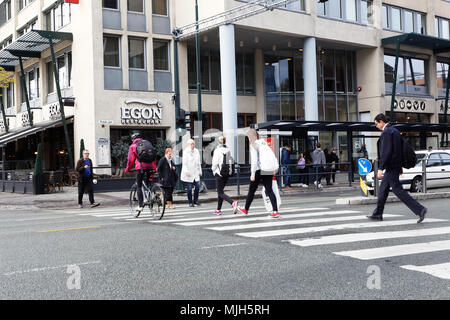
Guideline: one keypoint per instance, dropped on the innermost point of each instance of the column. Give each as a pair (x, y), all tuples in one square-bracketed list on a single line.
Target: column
[(228, 78), (310, 79)]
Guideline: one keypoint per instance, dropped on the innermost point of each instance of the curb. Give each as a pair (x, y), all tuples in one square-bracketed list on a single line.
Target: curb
[(366, 201)]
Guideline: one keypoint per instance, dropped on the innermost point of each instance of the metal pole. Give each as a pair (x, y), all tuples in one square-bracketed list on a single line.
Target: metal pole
[(394, 85), (424, 176), (446, 105), (4, 114), (375, 178), (238, 174), (25, 91), (199, 84), (350, 156), (177, 109), (3, 167), (61, 105)]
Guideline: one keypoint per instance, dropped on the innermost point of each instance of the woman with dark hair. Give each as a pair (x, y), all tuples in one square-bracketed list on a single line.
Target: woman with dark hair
[(167, 176)]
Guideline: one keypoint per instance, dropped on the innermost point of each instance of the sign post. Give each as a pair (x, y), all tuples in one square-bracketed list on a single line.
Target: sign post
[(364, 167)]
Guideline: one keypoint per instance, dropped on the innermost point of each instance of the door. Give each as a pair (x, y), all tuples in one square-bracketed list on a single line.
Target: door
[(434, 166), (445, 169)]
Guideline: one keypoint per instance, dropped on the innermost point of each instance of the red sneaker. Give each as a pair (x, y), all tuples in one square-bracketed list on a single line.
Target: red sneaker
[(274, 214), (242, 210)]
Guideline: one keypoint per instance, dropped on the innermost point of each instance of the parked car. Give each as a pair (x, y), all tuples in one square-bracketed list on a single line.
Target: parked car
[(437, 168)]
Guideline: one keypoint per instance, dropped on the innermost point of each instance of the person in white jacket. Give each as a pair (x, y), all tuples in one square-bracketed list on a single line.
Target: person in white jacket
[(257, 175), (191, 171), (222, 179)]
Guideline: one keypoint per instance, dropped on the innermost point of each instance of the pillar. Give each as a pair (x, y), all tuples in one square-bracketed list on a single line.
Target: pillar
[(310, 79)]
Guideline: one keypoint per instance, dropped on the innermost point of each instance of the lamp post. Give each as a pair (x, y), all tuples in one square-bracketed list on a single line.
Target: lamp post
[(199, 84)]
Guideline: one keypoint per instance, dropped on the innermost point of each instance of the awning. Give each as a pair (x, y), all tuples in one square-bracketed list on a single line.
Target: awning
[(347, 126), (438, 45), (30, 45), (19, 134)]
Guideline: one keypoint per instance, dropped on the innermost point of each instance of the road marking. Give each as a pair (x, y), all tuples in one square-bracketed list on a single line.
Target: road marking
[(399, 250), (218, 220), (441, 270), (48, 268), (277, 223), (371, 224), (224, 245), (40, 218), (69, 229), (357, 237)]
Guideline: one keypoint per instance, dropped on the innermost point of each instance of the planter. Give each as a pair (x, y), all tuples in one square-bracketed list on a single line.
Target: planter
[(111, 185), (38, 184)]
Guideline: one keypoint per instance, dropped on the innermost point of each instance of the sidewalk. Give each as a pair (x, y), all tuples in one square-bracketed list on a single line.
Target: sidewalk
[(68, 197)]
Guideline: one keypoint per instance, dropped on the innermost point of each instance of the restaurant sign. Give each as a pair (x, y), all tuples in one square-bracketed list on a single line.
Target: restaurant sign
[(138, 111)]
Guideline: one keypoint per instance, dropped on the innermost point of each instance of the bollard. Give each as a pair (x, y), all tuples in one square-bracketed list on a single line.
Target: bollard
[(424, 176), (375, 178)]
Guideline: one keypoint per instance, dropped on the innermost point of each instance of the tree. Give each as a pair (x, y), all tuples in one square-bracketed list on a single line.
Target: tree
[(119, 151), (5, 79), (161, 146)]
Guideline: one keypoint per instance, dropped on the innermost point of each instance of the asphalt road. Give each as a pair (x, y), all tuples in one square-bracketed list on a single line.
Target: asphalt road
[(103, 253)]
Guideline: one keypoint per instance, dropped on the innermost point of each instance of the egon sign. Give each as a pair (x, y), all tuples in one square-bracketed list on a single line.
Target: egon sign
[(141, 112)]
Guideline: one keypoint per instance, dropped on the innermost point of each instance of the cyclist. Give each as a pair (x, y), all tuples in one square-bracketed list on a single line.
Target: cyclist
[(143, 169)]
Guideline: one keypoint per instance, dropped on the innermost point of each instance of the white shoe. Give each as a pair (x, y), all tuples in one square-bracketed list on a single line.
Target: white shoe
[(320, 186), (139, 209)]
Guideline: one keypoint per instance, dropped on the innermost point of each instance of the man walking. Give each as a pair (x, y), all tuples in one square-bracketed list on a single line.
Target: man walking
[(85, 177), (285, 162), (390, 160), (319, 161)]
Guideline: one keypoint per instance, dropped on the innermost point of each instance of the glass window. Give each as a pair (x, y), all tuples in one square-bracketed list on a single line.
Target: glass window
[(10, 95), (136, 53), (192, 71), (50, 78), (48, 21), (340, 71), (215, 70), (300, 107), (298, 5), (328, 70), (161, 55), (350, 72), (159, 7), (445, 31), (389, 66), (442, 74), (421, 23), (396, 23), (342, 108), (436, 27), (111, 4), (385, 17), (69, 62), (352, 109), (62, 71), (111, 51), (415, 75), (286, 75), (321, 8), (366, 12), (350, 10), (273, 107), (271, 74), (320, 107), (33, 84), (434, 160), (298, 66), (287, 107), (249, 73), (330, 108), (58, 17), (409, 23), (334, 9), (239, 73), (136, 6), (445, 159), (66, 13), (204, 68)]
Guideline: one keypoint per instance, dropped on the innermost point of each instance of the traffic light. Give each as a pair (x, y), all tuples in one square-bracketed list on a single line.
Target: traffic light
[(184, 120)]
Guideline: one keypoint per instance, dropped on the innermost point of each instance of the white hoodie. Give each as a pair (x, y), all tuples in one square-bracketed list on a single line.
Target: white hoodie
[(217, 160)]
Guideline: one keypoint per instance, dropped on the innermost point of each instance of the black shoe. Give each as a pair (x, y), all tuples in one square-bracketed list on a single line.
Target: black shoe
[(377, 217), (197, 204), (191, 205), (422, 215)]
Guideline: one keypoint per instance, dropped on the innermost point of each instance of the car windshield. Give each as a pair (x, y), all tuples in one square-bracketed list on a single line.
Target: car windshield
[(420, 157)]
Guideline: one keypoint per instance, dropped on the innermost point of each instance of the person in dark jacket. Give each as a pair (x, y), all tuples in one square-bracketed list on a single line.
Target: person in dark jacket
[(85, 179), (285, 162), (334, 160), (167, 176), (390, 160)]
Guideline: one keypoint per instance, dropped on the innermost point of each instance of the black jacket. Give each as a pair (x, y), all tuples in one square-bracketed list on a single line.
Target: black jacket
[(167, 177), (389, 149), (80, 169)]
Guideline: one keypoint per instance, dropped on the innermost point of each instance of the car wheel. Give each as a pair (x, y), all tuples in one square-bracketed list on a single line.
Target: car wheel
[(416, 185), (371, 192)]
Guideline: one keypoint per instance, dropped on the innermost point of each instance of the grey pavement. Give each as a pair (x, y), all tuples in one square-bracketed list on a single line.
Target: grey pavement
[(186, 256)]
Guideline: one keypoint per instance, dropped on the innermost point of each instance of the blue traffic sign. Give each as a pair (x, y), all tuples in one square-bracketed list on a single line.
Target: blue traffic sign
[(364, 166)]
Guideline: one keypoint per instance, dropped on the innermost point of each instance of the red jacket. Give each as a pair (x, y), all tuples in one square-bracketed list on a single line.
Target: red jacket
[(133, 161)]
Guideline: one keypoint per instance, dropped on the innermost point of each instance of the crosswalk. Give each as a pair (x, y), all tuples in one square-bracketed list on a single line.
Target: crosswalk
[(315, 227)]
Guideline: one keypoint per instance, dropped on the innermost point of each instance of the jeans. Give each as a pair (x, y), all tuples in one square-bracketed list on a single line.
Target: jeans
[(221, 182), (196, 190), (286, 176), (85, 184)]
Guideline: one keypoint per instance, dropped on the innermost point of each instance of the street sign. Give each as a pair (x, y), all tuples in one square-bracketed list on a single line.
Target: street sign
[(363, 186), (364, 166)]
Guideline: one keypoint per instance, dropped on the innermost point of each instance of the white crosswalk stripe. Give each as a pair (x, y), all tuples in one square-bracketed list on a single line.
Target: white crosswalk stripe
[(441, 270), (399, 250), (371, 224)]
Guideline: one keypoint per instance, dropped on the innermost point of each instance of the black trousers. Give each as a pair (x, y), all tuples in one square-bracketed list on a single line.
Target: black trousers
[(85, 185), (391, 180), (267, 182), (221, 182), (142, 175), (168, 192), (320, 173)]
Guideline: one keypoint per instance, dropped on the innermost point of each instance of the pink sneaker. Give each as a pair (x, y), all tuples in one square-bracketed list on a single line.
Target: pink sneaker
[(235, 207), (274, 214), (242, 210), (217, 212)]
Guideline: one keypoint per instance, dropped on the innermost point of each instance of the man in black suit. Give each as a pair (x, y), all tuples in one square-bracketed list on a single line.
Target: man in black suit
[(390, 160)]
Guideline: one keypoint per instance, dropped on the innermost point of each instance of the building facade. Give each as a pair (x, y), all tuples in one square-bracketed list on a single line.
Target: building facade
[(305, 61)]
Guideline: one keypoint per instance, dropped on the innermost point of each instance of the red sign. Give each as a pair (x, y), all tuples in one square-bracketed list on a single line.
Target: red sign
[(73, 1)]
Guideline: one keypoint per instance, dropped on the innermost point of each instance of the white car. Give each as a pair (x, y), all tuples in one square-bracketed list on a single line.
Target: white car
[(438, 172)]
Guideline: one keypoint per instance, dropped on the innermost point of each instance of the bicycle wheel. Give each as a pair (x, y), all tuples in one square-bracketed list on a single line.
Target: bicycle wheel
[(134, 202), (157, 202)]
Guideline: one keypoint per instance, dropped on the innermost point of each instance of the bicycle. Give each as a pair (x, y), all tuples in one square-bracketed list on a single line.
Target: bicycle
[(153, 196)]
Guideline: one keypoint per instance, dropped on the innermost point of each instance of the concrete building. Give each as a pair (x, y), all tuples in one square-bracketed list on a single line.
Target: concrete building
[(307, 61)]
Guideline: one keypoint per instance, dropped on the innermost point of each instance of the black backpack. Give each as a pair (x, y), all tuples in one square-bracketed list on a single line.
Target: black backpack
[(227, 169), (145, 151), (409, 158)]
